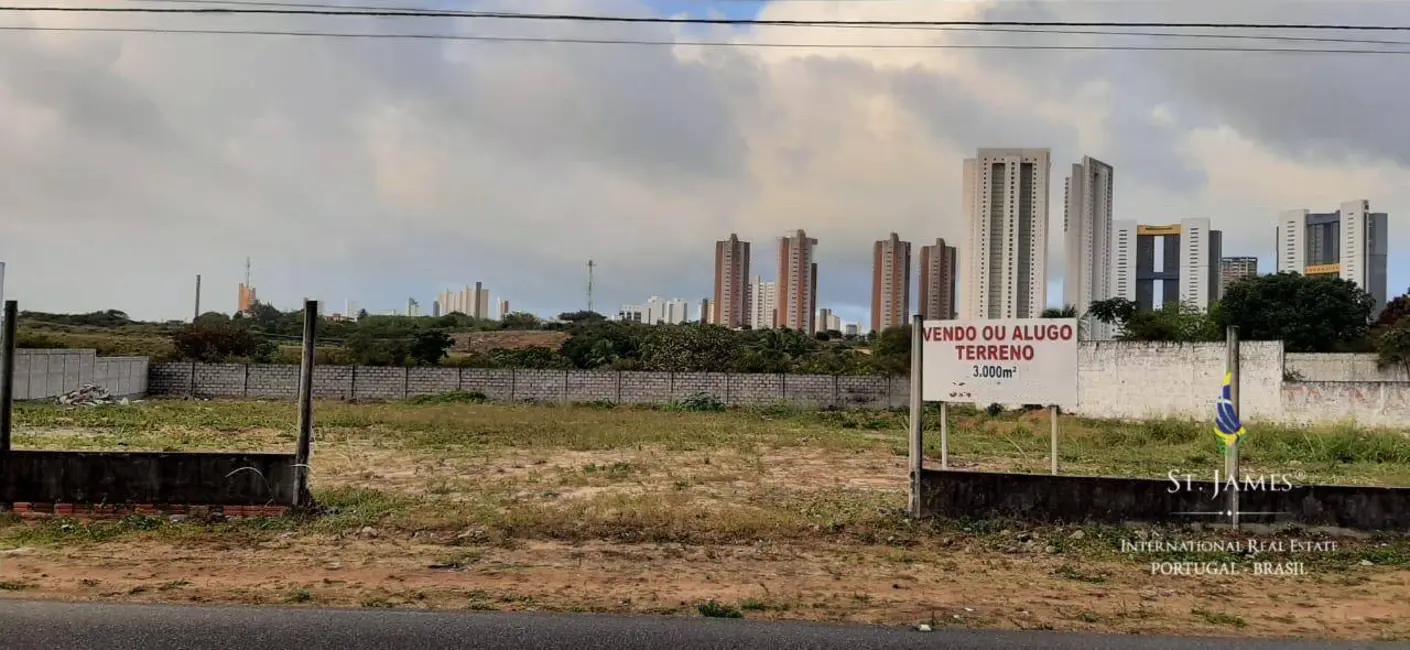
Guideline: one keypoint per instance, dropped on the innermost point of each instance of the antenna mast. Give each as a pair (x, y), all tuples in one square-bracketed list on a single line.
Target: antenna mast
[(589, 293)]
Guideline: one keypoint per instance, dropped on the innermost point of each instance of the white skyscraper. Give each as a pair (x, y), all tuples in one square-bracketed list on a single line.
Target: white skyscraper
[(1006, 201), (1350, 243), (1086, 223), (764, 301), (1182, 260), (657, 311)]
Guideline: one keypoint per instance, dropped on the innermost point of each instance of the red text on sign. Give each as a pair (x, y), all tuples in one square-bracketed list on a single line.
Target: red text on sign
[(994, 352)]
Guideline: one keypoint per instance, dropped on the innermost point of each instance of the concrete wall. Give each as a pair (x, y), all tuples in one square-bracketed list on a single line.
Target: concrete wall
[(147, 478), (1115, 380), (1075, 499), (42, 373), (1340, 367)]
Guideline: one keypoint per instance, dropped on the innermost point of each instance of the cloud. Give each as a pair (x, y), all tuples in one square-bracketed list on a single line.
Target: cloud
[(380, 169)]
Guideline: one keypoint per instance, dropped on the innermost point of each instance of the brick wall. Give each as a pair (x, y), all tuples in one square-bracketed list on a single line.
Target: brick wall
[(1115, 380), (382, 383)]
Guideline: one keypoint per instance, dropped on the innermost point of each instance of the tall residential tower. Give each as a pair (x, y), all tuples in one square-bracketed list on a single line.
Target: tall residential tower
[(938, 269), (1006, 202), (890, 283), (1349, 243), (797, 282), (731, 301), (1182, 260), (1086, 223)]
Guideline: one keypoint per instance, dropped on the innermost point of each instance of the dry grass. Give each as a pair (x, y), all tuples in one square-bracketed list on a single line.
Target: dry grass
[(769, 513), (507, 340)]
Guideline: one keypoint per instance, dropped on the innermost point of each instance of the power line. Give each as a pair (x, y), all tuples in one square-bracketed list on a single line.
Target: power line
[(1008, 30), (499, 15), (671, 43)]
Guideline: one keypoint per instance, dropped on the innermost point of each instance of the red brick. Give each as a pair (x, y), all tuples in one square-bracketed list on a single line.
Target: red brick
[(24, 506), (176, 509), (46, 508)]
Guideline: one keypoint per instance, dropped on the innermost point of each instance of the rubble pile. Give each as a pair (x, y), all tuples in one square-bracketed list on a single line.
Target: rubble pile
[(88, 395)]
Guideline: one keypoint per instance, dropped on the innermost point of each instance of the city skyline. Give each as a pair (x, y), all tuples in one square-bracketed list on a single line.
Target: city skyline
[(398, 167)]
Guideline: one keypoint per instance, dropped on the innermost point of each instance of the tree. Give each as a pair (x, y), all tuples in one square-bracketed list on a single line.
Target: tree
[(519, 321), (215, 342), (576, 317), (1393, 346), (1396, 309), (1069, 311), (891, 350), (596, 343), (361, 314), (1318, 313), (1177, 323), (429, 346), (1113, 311)]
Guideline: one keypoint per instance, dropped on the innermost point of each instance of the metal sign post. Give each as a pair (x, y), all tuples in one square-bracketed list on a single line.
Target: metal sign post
[(1231, 453), (1053, 415), (917, 414)]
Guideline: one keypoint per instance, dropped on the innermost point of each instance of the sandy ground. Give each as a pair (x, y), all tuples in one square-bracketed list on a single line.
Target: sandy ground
[(945, 586)]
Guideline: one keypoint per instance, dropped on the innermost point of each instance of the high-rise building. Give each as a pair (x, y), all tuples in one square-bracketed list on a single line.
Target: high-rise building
[(828, 321), (1006, 202), (1181, 260), (797, 282), (503, 308), (938, 269), (436, 308), (1086, 224), (656, 311), (1233, 269), (731, 302), (850, 330), (890, 283), (350, 308), (413, 308), (707, 312), (473, 302), (1350, 243), (247, 299), (763, 303)]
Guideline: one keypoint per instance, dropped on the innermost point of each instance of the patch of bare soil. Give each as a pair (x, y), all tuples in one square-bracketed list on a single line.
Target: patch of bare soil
[(941, 586), (507, 340)]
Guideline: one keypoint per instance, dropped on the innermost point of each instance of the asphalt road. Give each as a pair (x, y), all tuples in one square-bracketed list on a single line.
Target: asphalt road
[(28, 625)]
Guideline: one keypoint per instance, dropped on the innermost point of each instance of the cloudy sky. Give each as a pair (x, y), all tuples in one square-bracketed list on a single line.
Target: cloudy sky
[(377, 170)]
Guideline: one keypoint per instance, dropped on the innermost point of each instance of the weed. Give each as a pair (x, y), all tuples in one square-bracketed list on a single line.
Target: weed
[(453, 397), (1219, 618), (713, 609)]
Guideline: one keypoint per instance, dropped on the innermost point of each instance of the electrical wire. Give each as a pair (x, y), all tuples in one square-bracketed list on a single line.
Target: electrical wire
[(500, 15), (1009, 30), (734, 44)]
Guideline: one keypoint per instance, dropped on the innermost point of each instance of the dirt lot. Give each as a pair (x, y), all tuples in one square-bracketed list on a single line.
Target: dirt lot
[(507, 340), (762, 514)]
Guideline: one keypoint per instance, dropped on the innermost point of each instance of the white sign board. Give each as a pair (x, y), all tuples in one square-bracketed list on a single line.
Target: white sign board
[(1009, 361)]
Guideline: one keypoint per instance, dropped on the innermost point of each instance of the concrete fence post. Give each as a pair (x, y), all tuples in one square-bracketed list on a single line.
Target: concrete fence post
[(7, 377), (405, 383), (783, 387), (565, 385), (513, 380), (245, 387), (729, 379), (352, 384), (305, 444), (460, 379), (191, 385), (836, 390), (619, 387), (671, 390)]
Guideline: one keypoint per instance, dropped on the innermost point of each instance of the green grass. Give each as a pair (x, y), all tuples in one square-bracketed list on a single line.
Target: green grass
[(582, 473)]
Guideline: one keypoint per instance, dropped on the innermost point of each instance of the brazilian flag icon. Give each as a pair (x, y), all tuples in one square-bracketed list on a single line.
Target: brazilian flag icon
[(1226, 421)]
